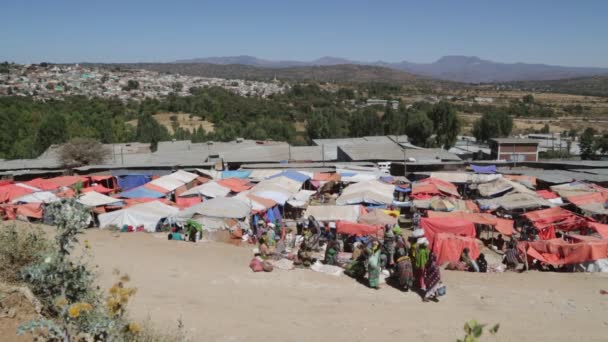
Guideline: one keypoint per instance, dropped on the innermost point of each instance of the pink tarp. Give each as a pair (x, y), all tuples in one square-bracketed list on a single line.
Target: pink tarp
[(503, 226), (12, 191), (430, 187), (358, 229), (448, 247), (436, 225), (559, 252), (601, 229), (558, 217)]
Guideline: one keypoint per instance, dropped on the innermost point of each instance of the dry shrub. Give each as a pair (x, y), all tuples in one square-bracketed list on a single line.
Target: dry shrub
[(20, 248)]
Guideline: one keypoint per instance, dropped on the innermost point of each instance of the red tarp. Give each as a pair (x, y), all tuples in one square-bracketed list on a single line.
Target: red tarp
[(156, 188), (601, 229), (546, 194), (430, 187), (235, 184), (448, 247), (436, 225), (12, 191), (594, 197), (69, 180), (503, 226), (4, 182), (69, 193), (358, 229), (187, 202), (559, 252), (100, 178), (32, 210), (558, 217), (42, 184), (98, 188)]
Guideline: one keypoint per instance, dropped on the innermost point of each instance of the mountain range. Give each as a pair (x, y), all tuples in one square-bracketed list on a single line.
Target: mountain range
[(467, 69)]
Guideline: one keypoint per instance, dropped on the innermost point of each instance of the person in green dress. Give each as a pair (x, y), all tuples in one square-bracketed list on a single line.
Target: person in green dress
[(373, 265)]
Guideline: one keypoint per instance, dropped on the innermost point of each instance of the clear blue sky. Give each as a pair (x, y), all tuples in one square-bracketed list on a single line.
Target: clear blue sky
[(535, 31)]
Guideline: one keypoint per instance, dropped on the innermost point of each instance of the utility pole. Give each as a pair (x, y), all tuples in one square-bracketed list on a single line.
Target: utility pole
[(323, 153), (122, 157)]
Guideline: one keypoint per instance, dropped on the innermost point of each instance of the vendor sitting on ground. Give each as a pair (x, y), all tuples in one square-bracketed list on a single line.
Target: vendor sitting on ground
[(482, 263), (511, 258), (331, 252), (466, 258), (264, 249)]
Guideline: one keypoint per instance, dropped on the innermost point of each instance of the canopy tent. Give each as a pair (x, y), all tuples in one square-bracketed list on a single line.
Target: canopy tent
[(357, 229), (167, 182), (547, 194), (12, 191), (301, 199), (576, 188), (128, 182), (293, 175), (235, 184), (258, 204), (372, 192), (502, 185), (241, 174), (487, 169), (66, 181), (528, 181), (210, 189), (514, 201), (334, 212), (448, 247), (183, 176), (326, 177), (218, 208), (141, 192), (378, 217), (593, 202), (352, 176), (212, 174), (279, 189), (30, 210), (560, 252), (37, 197), (42, 184), (436, 225), (464, 177), (503, 226), (146, 214), (98, 188), (430, 187), (95, 199), (259, 175), (557, 217), (601, 229), (446, 204)]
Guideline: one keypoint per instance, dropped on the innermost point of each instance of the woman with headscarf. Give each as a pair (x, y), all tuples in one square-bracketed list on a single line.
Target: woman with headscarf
[(356, 268), (331, 252), (420, 260), (432, 278), (404, 273), (389, 245), (373, 265)]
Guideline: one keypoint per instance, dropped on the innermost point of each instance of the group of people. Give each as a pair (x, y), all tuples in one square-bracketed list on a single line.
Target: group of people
[(410, 263)]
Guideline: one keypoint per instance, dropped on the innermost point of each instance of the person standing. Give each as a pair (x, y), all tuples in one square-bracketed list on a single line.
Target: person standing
[(389, 245), (432, 279), (420, 261), (373, 265)]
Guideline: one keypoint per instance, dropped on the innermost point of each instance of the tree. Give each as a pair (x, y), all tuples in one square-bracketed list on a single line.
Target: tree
[(492, 125), (446, 125), (528, 99), (82, 151), (419, 128), (131, 85), (588, 144), (545, 129), (602, 144), (53, 130), (318, 126)]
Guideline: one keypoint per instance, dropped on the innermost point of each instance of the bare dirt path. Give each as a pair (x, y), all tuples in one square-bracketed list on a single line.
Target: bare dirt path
[(212, 289)]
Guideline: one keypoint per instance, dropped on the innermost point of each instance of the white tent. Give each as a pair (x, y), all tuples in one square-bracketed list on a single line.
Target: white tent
[(334, 212), (300, 200), (183, 176), (218, 208), (256, 205), (37, 197), (146, 214), (210, 189), (210, 173), (373, 192), (168, 183), (95, 199)]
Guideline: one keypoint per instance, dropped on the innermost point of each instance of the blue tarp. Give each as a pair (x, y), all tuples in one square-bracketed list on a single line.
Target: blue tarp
[(127, 182), (402, 204), (483, 169), (295, 175), (236, 174), (277, 213), (400, 189), (141, 192)]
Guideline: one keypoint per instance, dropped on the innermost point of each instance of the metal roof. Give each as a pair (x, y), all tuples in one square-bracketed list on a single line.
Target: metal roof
[(515, 141)]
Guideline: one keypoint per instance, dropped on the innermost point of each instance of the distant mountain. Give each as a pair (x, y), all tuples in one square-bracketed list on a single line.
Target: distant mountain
[(588, 86), (453, 68)]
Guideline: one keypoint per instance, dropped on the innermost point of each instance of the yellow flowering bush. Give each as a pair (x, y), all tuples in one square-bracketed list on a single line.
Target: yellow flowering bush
[(76, 309)]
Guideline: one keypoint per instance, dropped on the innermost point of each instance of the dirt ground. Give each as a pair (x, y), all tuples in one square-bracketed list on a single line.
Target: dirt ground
[(185, 120), (210, 287)]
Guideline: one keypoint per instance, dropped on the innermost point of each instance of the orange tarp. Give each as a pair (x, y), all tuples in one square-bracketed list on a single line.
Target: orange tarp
[(358, 229), (326, 177), (559, 252), (546, 194), (33, 210), (42, 184), (593, 197), (235, 184), (187, 202), (430, 187), (601, 229), (448, 247), (98, 188), (435, 225), (521, 178), (69, 180), (472, 206), (504, 226), (69, 193), (100, 178), (156, 188), (563, 219), (12, 191), (266, 202)]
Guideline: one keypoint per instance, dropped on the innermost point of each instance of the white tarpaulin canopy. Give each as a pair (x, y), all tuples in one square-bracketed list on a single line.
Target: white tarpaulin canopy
[(37, 197), (210, 173), (218, 208), (146, 214), (210, 189), (513, 201), (183, 176), (334, 212), (464, 177), (501, 185), (95, 199), (300, 200), (373, 192), (174, 180)]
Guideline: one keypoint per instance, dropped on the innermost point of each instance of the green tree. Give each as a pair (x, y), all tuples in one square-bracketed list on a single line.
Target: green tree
[(602, 144), (53, 130), (492, 125), (528, 99), (419, 128), (588, 144), (446, 125), (318, 126)]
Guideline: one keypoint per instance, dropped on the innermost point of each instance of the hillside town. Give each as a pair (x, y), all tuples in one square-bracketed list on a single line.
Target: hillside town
[(51, 81)]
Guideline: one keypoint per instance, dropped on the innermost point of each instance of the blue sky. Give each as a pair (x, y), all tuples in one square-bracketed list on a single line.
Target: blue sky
[(573, 33)]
